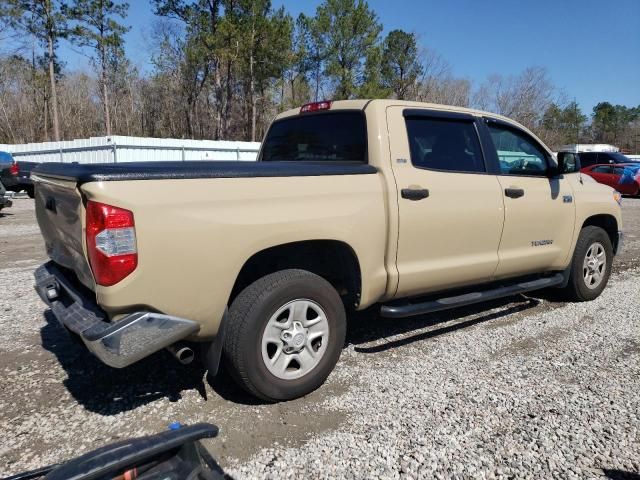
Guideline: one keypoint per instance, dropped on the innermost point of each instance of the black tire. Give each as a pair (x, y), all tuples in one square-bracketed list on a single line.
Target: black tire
[(577, 289), (248, 318), (31, 192)]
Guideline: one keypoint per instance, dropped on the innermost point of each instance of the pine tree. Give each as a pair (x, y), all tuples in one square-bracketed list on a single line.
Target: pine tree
[(348, 29), (95, 28), (401, 66)]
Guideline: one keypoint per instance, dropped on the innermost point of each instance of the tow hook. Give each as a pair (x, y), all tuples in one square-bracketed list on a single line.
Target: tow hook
[(52, 291)]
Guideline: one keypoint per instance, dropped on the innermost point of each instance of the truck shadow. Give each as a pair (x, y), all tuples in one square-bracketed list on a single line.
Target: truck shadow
[(108, 391), (615, 474), (362, 330)]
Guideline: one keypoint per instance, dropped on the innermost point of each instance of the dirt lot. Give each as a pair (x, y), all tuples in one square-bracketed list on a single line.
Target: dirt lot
[(523, 387)]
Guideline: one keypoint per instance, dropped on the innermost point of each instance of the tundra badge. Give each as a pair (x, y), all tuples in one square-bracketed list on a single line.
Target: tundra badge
[(540, 243)]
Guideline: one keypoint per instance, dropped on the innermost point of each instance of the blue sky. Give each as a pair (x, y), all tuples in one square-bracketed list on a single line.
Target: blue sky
[(590, 47)]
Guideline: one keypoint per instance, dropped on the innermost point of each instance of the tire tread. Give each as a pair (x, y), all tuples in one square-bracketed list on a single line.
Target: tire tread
[(238, 320), (573, 291)]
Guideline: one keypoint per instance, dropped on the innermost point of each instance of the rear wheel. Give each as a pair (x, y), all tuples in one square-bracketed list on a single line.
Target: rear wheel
[(591, 265), (30, 191), (285, 334)]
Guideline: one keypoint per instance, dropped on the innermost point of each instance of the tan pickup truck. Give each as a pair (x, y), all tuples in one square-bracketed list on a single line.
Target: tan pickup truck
[(409, 206)]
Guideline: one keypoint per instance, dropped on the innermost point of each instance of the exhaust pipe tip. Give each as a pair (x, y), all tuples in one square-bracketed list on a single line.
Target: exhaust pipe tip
[(184, 354)]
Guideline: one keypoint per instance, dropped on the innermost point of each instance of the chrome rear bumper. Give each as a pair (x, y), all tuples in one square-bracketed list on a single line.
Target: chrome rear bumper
[(117, 344)]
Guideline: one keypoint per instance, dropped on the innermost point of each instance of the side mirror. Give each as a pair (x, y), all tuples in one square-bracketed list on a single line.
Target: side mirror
[(568, 162)]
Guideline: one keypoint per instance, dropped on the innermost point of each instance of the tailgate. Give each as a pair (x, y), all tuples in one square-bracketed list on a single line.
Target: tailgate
[(60, 215)]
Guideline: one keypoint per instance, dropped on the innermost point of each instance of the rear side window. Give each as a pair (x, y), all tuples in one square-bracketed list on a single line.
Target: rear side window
[(517, 153), (444, 144), (335, 136)]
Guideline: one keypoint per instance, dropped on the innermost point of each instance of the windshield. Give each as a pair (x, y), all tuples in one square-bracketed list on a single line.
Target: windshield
[(335, 136), (619, 158)]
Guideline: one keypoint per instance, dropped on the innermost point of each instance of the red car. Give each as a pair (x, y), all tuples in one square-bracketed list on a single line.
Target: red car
[(611, 174)]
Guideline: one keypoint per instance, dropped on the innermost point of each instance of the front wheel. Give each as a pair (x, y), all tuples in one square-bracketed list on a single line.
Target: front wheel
[(285, 334), (591, 265)]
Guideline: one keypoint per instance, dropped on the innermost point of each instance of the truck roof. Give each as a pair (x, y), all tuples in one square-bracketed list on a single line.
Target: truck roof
[(362, 104)]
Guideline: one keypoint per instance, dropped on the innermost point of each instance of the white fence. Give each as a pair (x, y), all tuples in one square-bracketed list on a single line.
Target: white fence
[(132, 149)]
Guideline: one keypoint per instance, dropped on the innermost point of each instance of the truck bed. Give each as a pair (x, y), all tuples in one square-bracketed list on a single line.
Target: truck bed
[(85, 173)]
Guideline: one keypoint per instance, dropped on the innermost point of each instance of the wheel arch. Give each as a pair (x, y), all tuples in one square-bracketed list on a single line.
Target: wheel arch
[(608, 223), (334, 260)]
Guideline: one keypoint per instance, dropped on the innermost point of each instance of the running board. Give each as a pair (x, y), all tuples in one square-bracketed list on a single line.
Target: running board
[(411, 309)]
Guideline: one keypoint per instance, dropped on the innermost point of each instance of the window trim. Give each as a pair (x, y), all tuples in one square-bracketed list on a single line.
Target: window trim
[(365, 161), (455, 117), (441, 114), (494, 150)]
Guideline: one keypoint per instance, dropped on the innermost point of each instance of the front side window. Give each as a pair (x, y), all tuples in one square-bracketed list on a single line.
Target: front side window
[(444, 144), (335, 136), (517, 153), (602, 169)]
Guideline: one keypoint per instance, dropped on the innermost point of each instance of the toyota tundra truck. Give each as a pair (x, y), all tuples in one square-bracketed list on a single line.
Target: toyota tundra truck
[(403, 207)]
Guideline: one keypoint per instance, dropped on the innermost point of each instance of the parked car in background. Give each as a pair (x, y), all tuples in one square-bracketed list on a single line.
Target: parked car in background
[(6, 160), (589, 147), (17, 176), (588, 159), (624, 177)]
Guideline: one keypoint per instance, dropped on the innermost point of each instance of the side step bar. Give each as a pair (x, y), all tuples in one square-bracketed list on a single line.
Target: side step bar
[(411, 309)]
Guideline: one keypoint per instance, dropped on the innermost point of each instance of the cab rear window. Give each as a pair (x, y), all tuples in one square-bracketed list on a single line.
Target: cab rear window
[(334, 136)]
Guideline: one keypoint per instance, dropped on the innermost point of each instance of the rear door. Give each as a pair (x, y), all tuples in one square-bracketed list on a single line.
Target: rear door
[(539, 211), (450, 208), (602, 174)]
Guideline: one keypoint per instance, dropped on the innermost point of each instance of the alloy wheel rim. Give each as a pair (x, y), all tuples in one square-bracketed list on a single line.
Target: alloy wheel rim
[(594, 265), (295, 339)]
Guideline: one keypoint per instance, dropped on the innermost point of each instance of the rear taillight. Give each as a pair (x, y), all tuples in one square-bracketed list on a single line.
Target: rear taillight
[(111, 243), (14, 169)]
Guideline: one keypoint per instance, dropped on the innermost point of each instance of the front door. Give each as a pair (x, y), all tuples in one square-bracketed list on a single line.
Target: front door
[(450, 208), (539, 211)]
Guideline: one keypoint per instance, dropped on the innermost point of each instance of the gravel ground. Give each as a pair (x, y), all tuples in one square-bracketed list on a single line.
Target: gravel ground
[(524, 387)]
